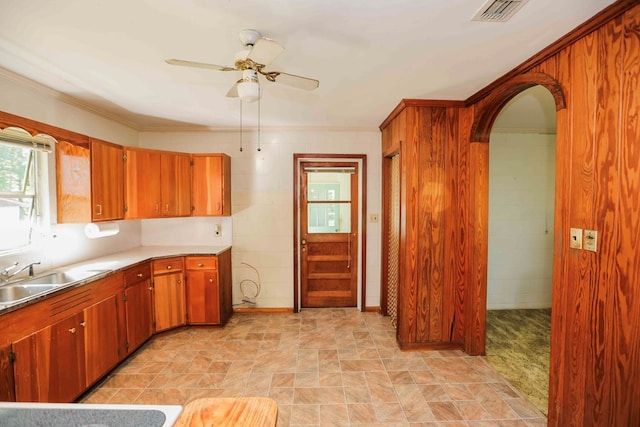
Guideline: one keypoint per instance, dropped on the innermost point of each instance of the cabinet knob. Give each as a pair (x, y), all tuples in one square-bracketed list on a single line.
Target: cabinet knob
[(210, 280), (200, 265), (169, 267), (139, 274), (83, 324), (72, 330)]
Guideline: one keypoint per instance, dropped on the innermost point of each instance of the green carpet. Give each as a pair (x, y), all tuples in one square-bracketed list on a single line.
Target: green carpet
[(517, 347)]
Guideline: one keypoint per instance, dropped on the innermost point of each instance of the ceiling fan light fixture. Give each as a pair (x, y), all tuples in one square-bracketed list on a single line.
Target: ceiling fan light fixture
[(248, 91), (248, 87)]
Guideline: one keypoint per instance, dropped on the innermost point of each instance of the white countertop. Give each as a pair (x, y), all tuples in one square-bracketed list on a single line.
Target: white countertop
[(96, 268), (120, 260)]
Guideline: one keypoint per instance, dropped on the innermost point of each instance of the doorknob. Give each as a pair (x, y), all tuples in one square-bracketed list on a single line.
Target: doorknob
[(304, 242)]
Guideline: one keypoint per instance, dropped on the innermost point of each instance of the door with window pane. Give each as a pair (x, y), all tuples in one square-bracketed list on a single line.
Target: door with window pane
[(328, 234)]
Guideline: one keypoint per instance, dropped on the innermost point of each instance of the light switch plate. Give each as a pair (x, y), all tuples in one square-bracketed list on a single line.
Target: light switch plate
[(590, 240), (575, 238)]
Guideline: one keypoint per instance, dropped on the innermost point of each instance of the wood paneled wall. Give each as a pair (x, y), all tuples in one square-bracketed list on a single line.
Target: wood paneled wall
[(595, 338)]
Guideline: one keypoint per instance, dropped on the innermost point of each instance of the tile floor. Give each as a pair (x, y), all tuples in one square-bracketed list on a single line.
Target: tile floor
[(328, 367)]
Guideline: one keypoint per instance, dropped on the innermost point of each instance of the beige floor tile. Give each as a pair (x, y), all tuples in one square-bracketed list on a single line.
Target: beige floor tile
[(329, 367)]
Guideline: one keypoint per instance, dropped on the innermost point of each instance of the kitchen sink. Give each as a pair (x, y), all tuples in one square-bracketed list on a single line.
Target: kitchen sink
[(58, 278), (19, 292)]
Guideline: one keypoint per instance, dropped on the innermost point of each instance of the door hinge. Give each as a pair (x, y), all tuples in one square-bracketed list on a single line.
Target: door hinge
[(12, 357), (191, 162), (124, 157), (126, 209)]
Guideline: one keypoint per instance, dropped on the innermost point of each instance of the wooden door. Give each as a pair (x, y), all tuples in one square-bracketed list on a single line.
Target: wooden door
[(107, 181), (142, 184), (328, 234), (175, 176), (139, 313), (169, 301), (100, 338), (49, 364)]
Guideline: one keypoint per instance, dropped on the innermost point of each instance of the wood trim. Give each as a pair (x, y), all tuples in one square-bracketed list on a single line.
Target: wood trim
[(597, 21), (494, 103), (35, 127), (252, 310), (404, 103)]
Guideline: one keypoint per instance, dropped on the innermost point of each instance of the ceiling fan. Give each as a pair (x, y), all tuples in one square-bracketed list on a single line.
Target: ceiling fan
[(251, 61)]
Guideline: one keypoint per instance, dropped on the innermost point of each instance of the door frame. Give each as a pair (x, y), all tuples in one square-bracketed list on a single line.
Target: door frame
[(362, 226)]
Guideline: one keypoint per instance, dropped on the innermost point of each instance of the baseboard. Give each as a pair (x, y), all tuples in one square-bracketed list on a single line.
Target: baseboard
[(245, 309)]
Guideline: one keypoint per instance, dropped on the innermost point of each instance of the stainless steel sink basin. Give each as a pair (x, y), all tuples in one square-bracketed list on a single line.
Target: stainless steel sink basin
[(18, 292), (59, 278)]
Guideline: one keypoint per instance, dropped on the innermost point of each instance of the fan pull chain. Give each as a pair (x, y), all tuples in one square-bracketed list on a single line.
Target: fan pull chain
[(259, 100), (240, 125)]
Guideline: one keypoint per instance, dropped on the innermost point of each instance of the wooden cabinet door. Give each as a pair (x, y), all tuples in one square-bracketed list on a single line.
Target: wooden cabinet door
[(169, 301), (107, 181), (175, 177), (138, 313), (203, 301), (142, 184), (210, 185), (101, 338), (49, 364), (73, 182)]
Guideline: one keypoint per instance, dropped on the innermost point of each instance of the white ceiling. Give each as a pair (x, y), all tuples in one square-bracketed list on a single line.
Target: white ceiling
[(367, 54)]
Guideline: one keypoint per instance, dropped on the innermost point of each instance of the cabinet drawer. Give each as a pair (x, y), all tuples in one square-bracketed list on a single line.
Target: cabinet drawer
[(137, 274), (202, 263), (169, 265)]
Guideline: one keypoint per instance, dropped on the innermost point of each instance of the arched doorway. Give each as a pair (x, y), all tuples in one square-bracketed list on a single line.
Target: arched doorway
[(486, 113), (520, 242)]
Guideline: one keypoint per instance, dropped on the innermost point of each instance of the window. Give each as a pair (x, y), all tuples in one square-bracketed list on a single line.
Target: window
[(19, 153)]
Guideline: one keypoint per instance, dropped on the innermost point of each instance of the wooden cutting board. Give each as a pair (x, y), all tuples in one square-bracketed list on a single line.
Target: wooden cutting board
[(228, 411)]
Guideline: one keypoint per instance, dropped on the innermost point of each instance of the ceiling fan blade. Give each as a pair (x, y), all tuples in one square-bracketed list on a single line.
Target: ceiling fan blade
[(233, 92), (295, 81), (265, 51), (198, 65)]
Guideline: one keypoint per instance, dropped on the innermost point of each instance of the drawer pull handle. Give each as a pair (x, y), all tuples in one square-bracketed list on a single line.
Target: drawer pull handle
[(72, 330), (200, 264), (139, 274), (169, 267)]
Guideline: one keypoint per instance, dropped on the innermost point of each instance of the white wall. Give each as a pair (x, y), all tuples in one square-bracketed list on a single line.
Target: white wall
[(65, 243), (262, 220), (521, 207)]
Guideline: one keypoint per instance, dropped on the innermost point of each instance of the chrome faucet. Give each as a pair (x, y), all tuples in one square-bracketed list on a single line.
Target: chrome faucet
[(6, 273)]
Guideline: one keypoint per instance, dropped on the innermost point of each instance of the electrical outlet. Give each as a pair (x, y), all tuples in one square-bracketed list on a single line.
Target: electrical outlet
[(217, 229), (590, 240), (575, 238)]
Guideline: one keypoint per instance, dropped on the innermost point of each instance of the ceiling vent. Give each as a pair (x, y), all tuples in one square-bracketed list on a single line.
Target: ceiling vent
[(498, 10)]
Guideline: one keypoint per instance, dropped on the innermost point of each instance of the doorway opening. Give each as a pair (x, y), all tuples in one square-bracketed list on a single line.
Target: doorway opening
[(522, 163), (329, 231)]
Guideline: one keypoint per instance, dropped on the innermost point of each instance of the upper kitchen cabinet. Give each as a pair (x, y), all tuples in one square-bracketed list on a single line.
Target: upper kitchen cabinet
[(90, 181), (73, 181), (107, 181), (157, 184), (175, 184), (142, 183), (211, 185)]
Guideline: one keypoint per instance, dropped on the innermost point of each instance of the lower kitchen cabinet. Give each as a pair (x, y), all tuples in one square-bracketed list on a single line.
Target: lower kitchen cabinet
[(49, 364), (168, 294), (138, 305), (209, 289), (101, 338)]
